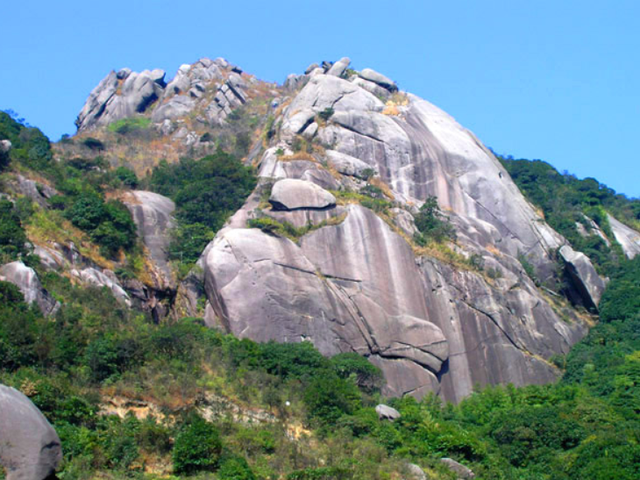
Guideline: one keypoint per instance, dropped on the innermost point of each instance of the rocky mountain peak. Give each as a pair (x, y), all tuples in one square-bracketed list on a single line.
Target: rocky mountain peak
[(346, 160), (125, 93)]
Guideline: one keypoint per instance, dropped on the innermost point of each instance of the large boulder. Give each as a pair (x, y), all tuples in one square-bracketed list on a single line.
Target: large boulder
[(386, 412), (29, 446), (338, 68), (628, 238), (460, 470), (379, 79), (291, 194), (26, 279)]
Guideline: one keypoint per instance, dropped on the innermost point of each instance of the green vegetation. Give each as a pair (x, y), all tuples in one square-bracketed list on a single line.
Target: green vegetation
[(109, 224), (326, 114), (97, 364), (12, 235), (206, 192), (288, 230), (82, 184), (125, 126), (585, 426), (432, 224), (197, 447), (565, 201), (30, 146), (364, 198)]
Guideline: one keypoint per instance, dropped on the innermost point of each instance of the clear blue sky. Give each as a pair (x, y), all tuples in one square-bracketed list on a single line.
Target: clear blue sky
[(556, 80)]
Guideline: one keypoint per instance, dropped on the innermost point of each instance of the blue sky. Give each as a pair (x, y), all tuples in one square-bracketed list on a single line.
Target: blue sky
[(555, 80)]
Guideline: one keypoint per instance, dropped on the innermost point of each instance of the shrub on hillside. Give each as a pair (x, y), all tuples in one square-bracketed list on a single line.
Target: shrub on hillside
[(197, 447), (12, 235)]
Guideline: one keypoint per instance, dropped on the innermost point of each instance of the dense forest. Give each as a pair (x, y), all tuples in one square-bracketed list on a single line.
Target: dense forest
[(244, 410)]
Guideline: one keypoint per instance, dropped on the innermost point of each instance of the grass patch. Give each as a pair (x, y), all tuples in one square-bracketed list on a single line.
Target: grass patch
[(285, 229), (127, 125)]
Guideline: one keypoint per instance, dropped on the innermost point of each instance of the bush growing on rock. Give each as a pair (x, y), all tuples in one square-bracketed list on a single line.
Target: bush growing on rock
[(432, 224)]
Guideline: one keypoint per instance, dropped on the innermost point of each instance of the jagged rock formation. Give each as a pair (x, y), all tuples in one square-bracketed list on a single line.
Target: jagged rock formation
[(356, 284), (121, 95), (27, 281), (29, 446), (213, 86), (628, 238)]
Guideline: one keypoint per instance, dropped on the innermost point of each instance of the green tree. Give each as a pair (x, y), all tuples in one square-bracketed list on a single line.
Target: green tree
[(432, 224), (197, 447)]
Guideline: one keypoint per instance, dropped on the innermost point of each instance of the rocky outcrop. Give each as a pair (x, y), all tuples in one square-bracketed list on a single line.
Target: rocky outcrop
[(355, 282), (415, 472), (588, 227), (5, 146), (379, 79), (106, 278), (588, 285), (339, 68), (386, 412), (628, 238), (29, 446), (120, 95), (460, 470), (153, 216), (125, 93), (291, 194), (38, 192), (27, 281)]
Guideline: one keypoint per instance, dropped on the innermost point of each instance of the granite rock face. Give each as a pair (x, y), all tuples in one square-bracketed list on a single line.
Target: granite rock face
[(29, 446), (27, 281), (589, 286), (356, 283), (460, 470), (628, 238), (153, 216)]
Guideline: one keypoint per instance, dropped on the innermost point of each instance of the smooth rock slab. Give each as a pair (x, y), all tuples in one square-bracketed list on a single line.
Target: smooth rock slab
[(628, 238), (291, 194), (29, 446), (153, 215)]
